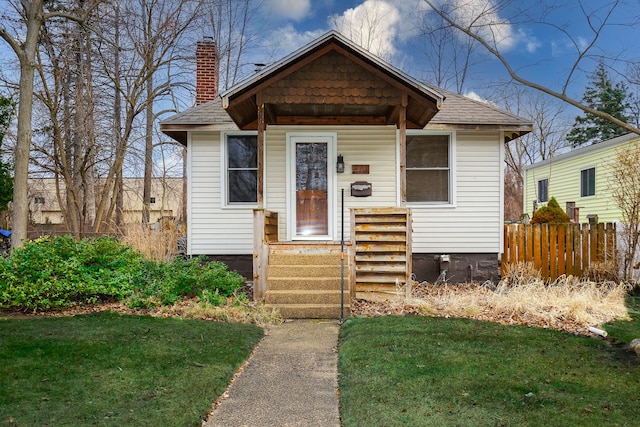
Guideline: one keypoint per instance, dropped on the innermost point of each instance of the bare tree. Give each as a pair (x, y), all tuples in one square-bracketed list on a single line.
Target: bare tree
[(236, 30), (368, 27), (449, 59), (550, 125), (24, 45), (67, 147), (625, 188), (480, 21), (151, 45)]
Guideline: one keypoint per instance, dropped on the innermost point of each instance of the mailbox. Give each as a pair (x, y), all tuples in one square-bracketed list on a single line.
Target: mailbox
[(361, 189)]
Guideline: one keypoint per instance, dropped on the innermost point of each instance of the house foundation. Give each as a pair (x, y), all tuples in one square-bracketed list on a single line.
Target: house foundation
[(461, 268)]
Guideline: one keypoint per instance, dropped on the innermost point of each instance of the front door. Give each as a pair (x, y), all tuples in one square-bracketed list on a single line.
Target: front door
[(311, 187)]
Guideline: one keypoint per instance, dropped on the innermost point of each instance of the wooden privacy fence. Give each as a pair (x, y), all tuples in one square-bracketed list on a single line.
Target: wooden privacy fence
[(557, 249)]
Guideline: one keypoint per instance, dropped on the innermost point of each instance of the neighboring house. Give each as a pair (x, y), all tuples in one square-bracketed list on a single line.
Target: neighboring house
[(268, 160), (166, 200), (580, 177)]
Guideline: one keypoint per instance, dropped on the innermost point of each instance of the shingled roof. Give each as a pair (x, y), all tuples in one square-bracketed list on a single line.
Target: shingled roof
[(461, 112), (209, 116), (452, 111)]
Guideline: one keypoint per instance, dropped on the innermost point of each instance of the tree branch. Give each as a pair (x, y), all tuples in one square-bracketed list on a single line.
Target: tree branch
[(515, 76)]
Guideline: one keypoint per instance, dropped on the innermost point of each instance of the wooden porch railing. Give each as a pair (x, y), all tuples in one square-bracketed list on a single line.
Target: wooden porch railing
[(265, 231), (380, 249), (558, 249)]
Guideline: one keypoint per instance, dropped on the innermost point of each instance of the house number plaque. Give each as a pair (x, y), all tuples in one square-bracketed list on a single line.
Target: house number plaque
[(361, 189)]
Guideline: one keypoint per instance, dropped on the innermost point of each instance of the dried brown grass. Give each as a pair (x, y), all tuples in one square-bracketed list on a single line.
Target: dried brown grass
[(571, 304), (236, 310), (159, 245)]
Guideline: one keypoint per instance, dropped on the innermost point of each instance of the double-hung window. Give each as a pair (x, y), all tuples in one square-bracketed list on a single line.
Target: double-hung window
[(588, 182), (241, 168), (543, 190), (429, 168)]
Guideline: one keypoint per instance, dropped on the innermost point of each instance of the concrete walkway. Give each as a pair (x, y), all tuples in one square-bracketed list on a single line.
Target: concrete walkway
[(291, 380)]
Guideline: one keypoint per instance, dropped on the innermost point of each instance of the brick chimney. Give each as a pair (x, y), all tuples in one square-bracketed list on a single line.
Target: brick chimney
[(206, 71)]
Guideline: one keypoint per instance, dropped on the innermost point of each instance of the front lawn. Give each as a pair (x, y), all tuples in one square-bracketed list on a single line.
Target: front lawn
[(114, 370), (624, 330), (428, 371)]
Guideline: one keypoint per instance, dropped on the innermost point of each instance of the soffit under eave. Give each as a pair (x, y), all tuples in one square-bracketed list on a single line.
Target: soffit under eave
[(179, 132), (511, 132), (178, 135)]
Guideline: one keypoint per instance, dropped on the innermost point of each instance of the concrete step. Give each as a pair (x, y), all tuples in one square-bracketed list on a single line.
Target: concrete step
[(286, 271), (305, 283), (305, 297), (310, 311), (284, 258)]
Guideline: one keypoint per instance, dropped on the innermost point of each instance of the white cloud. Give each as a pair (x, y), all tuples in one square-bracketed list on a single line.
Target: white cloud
[(561, 47), (473, 95), (373, 24), (582, 42), (291, 9), (531, 43), (288, 39), (482, 17)]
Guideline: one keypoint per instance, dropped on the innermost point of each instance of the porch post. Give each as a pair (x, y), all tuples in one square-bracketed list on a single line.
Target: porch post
[(260, 254), (261, 130), (402, 125)]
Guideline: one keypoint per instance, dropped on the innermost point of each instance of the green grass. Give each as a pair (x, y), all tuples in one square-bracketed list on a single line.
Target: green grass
[(420, 371), (626, 331), (112, 370)]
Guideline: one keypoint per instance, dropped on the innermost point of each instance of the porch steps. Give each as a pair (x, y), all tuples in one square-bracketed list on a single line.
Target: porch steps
[(303, 281)]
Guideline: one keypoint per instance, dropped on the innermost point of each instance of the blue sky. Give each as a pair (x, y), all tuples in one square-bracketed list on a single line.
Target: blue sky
[(544, 53)]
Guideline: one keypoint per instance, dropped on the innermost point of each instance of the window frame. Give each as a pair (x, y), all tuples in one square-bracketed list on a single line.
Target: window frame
[(539, 197), (224, 170), (451, 202), (582, 190)]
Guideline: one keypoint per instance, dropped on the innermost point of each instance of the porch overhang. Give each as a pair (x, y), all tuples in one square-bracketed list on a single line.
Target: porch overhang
[(331, 82)]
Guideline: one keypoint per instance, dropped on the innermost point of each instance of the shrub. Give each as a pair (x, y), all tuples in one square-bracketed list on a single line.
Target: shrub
[(552, 213), (166, 283), (56, 273)]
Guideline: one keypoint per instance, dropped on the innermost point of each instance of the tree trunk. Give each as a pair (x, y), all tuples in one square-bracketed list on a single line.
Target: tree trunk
[(35, 18)]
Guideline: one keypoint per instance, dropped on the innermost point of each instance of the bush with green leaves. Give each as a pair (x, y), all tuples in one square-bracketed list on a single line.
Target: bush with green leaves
[(551, 213), (56, 273), (167, 282)]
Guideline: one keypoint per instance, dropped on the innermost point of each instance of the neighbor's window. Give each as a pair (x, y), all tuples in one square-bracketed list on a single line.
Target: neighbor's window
[(429, 168), (543, 190), (588, 182), (242, 168)]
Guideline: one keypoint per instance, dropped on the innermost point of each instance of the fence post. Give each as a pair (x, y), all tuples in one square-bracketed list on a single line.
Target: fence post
[(557, 249), (562, 251), (553, 252)]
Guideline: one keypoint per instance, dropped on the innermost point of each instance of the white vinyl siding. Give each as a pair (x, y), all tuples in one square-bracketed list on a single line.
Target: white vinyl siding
[(474, 224), (213, 230), (359, 145)]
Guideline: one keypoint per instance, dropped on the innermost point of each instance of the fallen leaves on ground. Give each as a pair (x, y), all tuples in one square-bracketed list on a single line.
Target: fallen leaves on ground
[(570, 307)]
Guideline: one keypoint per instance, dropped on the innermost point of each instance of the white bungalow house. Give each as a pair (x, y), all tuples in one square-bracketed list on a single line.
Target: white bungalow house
[(333, 142)]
